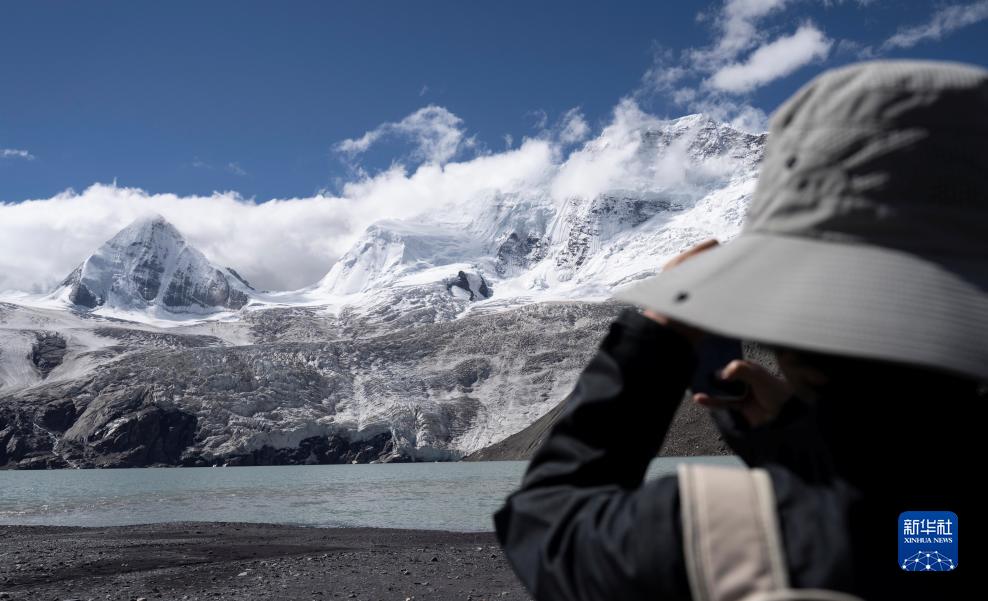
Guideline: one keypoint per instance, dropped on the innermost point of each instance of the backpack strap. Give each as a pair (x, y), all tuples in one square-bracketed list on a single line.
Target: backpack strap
[(730, 532), (731, 538), (804, 594)]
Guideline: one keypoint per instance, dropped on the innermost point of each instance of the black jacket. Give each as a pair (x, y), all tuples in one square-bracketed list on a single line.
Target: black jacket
[(585, 526)]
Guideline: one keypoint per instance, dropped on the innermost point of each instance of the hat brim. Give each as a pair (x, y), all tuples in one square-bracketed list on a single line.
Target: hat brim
[(848, 299)]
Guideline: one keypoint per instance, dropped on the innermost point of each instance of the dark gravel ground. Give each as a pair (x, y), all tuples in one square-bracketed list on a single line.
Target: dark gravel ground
[(247, 562)]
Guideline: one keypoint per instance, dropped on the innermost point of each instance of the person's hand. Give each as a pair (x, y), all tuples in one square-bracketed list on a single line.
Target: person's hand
[(694, 335), (766, 392), (766, 395)]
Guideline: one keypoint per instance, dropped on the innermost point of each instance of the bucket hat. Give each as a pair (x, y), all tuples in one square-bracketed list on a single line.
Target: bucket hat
[(867, 233)]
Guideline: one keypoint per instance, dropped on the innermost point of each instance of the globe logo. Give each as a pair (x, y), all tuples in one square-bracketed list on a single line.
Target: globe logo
[(928, 541), (922, 561)]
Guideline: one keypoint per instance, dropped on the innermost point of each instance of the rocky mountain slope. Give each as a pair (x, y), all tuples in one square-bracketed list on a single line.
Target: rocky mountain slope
[(426, 392), (430, 339)]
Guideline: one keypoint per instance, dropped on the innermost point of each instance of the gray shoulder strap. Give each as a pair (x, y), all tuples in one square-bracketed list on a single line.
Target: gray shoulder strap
[(730, 533), (731, 537)]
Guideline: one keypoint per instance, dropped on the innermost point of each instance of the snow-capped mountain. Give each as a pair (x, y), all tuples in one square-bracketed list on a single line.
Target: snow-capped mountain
[(431, 337), (693, 177), (149, 265)]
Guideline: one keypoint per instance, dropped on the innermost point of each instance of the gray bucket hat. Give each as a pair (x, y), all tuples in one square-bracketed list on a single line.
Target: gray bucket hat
[(867, 234)]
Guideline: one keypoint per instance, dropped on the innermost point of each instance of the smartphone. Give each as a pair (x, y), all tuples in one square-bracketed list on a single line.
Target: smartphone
[(713, 354)]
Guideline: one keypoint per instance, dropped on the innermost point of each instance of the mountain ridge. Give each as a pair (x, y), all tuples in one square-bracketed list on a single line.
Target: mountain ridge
[(431, 338)]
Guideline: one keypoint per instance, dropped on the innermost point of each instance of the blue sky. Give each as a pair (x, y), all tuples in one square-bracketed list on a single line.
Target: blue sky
[(192, 97), (272, 135)]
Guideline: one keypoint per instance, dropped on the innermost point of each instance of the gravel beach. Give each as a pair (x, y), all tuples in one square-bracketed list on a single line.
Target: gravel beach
[(189, 561)]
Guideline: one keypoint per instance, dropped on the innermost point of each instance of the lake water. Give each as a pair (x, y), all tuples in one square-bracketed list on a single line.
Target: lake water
[(442, 496)]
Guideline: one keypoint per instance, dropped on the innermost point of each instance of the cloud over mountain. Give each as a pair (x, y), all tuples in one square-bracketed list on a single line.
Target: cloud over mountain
[(284, 244)]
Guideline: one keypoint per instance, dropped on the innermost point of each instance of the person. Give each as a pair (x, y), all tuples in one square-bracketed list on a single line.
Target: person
[(863, 264)]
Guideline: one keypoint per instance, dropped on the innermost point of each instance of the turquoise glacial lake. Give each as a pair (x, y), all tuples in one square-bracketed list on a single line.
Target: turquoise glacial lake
[(441, 496)]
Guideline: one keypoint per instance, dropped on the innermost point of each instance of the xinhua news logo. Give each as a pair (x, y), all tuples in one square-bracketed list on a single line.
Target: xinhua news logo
[(928, 541)]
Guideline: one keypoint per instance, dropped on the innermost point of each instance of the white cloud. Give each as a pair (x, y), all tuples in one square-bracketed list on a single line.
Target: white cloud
[(16, 153), (738, 24), (749, 47), (278, 244), (396, 194), (570, 128), (287, 244), (773, 60), (604, 164), (436, 134), (235, 169), (729, 110), (541, 118), (665, 73), (943, 22), (574, 127), (613, 162), (739, 59)]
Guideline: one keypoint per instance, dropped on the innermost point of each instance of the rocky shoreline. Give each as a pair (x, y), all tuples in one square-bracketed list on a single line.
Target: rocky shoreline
[(197, 561)]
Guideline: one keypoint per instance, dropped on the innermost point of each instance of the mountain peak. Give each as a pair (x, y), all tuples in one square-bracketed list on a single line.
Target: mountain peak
[(148, 227), (149, 221), (149, 264), (694, 119)]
